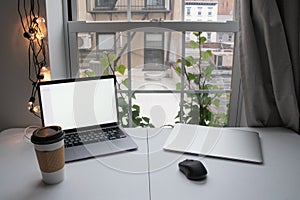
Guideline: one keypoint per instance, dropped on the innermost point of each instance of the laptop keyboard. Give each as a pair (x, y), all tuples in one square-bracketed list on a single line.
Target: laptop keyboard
[(93, 136)]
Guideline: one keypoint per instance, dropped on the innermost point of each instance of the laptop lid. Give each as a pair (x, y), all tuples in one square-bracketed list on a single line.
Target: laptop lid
[(229, 143), (78, 103)]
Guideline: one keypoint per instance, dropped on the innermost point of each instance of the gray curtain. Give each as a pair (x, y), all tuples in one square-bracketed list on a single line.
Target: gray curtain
[(270, 62)]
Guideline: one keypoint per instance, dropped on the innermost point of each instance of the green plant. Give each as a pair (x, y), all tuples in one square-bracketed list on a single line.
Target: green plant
[(199, 107), (109, 66)]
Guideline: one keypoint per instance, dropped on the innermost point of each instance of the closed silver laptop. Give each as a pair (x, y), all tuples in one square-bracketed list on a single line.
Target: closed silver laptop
[(229, 143)]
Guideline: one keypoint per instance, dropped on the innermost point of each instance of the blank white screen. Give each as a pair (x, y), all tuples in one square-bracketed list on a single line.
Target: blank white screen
[(79, 104)]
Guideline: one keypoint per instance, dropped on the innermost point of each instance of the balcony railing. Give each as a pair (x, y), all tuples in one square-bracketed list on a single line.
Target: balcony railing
[(121, 5)]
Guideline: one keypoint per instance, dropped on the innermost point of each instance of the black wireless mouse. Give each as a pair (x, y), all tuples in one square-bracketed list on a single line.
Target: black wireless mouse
[(193, 169)]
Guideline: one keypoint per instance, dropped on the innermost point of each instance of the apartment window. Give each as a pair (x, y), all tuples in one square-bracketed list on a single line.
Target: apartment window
[(199, 11), (155, 2), (120, 6), (188, 11), (154, 51), (188, 36), (208, 36), (153, 63), (220, 37), (105, 4), (230, 38), (209, 11), (106, 42)]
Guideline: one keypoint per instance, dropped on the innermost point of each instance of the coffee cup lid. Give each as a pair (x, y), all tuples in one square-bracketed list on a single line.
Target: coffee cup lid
[(47, 135)]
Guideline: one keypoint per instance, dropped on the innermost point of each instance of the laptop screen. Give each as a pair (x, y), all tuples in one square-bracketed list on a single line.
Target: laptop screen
[(77, 103)]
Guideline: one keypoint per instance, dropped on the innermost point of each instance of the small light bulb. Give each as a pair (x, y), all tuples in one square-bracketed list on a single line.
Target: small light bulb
[(39, 35), (30, 103), (36, 109), (45, 71), (39, 27), (31, 100), (40, 20)]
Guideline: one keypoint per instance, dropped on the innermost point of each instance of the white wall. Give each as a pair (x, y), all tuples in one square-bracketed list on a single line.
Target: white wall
[(14, 83)]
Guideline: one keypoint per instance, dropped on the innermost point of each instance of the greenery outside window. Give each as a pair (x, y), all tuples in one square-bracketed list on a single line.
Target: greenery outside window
[(176, 47)]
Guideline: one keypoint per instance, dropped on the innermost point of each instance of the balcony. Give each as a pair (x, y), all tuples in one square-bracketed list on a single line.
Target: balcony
[(120, 6)]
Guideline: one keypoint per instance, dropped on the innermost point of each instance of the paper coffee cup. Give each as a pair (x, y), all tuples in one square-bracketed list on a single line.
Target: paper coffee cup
[(49, 148)]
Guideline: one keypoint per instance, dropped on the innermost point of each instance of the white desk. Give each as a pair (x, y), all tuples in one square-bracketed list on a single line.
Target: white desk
[(151, 173), (120, 176)]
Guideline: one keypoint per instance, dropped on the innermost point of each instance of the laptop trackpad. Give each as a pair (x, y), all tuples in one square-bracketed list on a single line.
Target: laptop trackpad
[(86, 151)]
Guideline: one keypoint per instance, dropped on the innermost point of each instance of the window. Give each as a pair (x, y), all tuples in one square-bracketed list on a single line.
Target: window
[(188, 36), (188, 11), (154, 52), (120, 6), (208, 37), (209, 11), (157, 62), (106, 42), (220, 37), (199, 11), (155, 2), (105, 4), (229, 38)]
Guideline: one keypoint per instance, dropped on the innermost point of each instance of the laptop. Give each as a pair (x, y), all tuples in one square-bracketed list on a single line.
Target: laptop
[(87, 111), (227, 143)]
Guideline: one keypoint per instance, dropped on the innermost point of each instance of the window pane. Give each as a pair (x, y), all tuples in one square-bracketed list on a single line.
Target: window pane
[(162, 109), (106, 42), (117, 10), (154, 61)]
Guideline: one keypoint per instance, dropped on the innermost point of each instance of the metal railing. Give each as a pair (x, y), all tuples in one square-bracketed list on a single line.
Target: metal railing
[(122, 6)]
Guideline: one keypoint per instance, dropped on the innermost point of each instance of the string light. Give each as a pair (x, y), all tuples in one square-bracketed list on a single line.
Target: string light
[(45, 72), (34, 28)]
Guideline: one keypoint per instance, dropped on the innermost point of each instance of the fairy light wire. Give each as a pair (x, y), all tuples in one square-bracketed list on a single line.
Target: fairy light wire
[(29, 13)]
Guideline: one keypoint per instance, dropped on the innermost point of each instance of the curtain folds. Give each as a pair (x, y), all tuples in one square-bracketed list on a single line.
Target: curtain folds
[(270, 62)]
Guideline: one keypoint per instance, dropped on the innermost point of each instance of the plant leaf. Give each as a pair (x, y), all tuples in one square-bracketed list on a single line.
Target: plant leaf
[(216, 102), (197, 33), (104, 63), (208, 71), (146, 119), (112, 58), (193, 44), (121, 69), (206, 54), (125, 82), (191, 76), (133, 95), (202, 40), (189, 61), (178, 69), (136, 107)]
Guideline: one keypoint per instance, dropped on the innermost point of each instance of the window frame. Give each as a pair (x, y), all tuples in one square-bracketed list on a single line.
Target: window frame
[(74, 27)]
